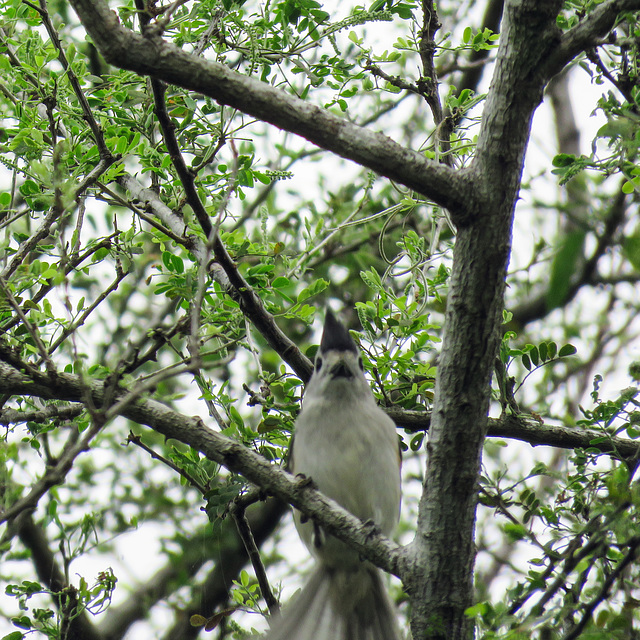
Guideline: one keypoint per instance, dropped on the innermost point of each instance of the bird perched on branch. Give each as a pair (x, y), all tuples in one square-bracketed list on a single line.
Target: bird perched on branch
[(348, 447)]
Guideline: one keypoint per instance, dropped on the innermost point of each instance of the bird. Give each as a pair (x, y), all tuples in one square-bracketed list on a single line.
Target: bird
[(347, 446)]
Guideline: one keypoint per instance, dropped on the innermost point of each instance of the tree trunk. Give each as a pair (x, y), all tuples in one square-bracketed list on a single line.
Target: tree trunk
[(441, 584)]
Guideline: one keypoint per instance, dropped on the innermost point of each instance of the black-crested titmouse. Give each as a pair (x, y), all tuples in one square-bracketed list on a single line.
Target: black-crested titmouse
[(349, 448)]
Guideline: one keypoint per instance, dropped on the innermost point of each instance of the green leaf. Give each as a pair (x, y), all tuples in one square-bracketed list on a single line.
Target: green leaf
[(416, 442), (23, 622), (235, 416), (564, 267), (628, 187), (480, 609), (631, 250), (515, 531), (542, 350), (312, 290), (567, 350), (372, 279), (29, 188), (563, 160), (49, 273), (269, 424)]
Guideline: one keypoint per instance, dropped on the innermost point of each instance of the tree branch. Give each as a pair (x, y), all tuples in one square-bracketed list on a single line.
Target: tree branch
[(587, 33), (225, 272), (67, 412), (225, 549), (231, 454), (605, 589), (34, 539), (150, 55), (54, 475), (231, 557), (537, 307), (528, 429), (441, 581), (244, 531)]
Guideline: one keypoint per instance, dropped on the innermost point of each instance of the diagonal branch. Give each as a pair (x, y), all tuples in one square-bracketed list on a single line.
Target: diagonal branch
[(255, 468), (224, 450), (34, 538), (229, 555), (225, 271), (150, 55), (54, 475), (604, 592), (537, 307), (588, 33)]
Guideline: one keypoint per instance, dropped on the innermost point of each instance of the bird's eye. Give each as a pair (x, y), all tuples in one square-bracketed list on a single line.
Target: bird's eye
[(360, 364), (318, 363)]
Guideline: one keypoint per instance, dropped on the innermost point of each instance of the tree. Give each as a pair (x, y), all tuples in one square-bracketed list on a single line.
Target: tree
[(165, 253)]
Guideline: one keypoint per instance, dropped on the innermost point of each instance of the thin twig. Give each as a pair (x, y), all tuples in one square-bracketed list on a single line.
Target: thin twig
[(35, 335), (28, 245), (244, 531), (54, 475), (395, 81), (603, 593), (73, 80), (120, 276), (137, 440)]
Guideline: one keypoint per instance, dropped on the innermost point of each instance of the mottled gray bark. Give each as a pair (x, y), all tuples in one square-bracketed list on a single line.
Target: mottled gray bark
[(192, 431), (151, 55), (531, 51), (444, 552)]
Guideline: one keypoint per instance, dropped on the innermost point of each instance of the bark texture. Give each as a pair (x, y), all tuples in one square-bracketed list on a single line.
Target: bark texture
[(151, 55), (444, 551)]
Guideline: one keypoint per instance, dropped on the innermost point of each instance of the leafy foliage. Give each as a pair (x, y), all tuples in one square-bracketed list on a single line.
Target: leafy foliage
[(107, 274)]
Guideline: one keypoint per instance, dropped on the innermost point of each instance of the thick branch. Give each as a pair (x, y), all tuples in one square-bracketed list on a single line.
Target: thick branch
[(231, 454), (528, 429), (150, 55), (587, 33), (440, 584)]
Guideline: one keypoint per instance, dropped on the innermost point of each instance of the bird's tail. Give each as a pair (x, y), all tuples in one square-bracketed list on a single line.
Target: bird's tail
[(339, 605)]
